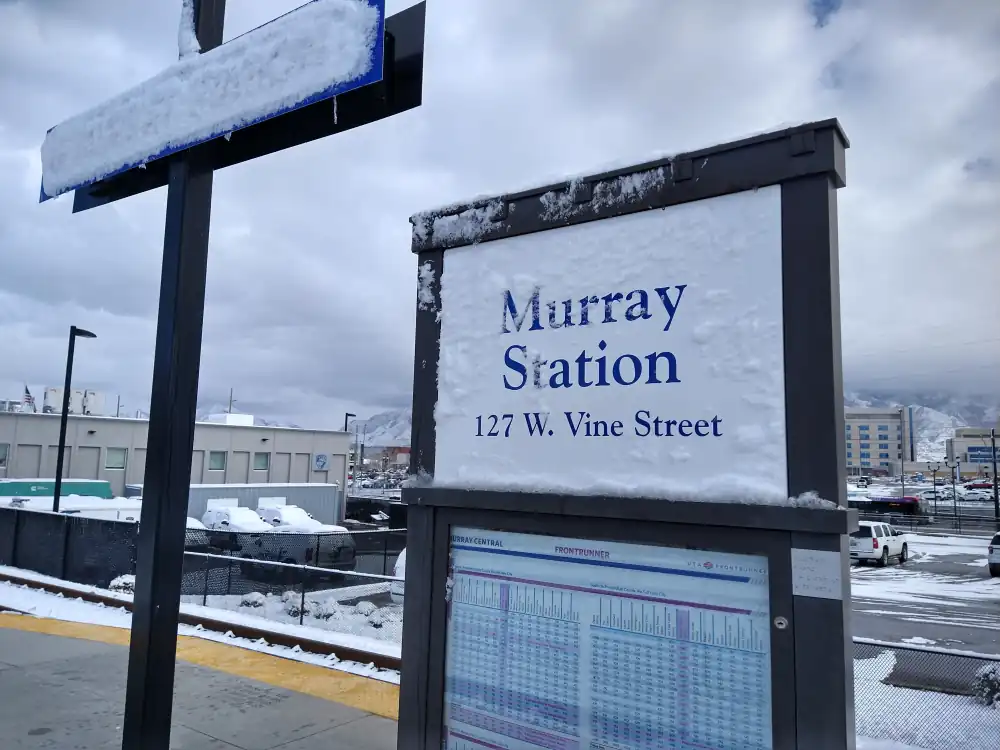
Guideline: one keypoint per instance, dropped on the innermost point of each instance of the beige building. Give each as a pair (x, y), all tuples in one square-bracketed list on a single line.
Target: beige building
[(877, 440), (972, 447), (114, 449)]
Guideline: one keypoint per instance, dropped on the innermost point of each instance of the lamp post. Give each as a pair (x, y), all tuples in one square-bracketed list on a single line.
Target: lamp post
[(996, 481), (73, 333), (954, 492), (347, 416), (934, 473)]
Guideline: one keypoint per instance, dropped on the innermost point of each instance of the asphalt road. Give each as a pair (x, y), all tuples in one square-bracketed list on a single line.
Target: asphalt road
[(943, 596)]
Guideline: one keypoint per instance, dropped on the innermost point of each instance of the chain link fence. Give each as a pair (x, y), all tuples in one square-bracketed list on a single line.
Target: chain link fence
[(926, 697)]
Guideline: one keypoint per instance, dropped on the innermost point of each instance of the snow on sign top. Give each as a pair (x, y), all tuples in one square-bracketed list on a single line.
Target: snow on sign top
[(322, 49)]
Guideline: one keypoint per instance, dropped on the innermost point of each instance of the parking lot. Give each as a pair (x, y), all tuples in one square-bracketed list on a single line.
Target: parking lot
[(942, 596)]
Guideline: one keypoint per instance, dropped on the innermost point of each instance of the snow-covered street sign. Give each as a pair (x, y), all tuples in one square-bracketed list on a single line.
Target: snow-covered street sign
[(628, 499), (314, 53)]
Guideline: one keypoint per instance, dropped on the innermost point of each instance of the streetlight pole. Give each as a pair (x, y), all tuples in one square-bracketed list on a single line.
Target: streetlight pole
[(996, 482), (347, 416), (934, 473), (73, 333), (954, 492)]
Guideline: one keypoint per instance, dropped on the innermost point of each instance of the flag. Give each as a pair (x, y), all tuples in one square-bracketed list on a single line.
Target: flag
[(29, 400)]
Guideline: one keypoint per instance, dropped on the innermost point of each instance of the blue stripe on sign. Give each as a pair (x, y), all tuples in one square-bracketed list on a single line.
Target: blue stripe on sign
[(608, 564)]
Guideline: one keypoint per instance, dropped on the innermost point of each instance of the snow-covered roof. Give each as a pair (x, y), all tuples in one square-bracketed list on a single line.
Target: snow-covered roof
[(315, 52)]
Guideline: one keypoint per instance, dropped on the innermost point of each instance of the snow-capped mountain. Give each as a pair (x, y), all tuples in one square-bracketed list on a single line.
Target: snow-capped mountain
[(387, 429), (935, 417)]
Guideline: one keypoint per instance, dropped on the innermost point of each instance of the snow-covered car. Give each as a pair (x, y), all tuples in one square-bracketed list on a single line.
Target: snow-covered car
[(196, 536), (234, 519), (993, 556), (324, 545), (878, 542), (399, 571)]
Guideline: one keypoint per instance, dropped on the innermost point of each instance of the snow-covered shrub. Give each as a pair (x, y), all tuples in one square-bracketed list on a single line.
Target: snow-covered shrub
[(986, 685), (326, 610), (123, 584), (364, 608), (375, 619), (287, 596), (254, 599), (292, 604)]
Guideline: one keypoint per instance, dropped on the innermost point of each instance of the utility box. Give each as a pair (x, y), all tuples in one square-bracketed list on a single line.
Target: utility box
[(627, 524)]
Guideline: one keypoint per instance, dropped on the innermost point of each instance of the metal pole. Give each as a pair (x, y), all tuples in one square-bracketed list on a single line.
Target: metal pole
[(934, 473), (63, 419), (347, 416), (996, 485), (177, 359)]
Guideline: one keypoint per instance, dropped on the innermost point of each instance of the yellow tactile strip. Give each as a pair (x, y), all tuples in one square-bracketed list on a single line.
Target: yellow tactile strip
[(374, 696)]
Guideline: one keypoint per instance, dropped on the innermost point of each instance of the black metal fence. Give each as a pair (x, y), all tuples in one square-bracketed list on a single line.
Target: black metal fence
[(926, 697), (96, 551), (943, 522), (363, 604)]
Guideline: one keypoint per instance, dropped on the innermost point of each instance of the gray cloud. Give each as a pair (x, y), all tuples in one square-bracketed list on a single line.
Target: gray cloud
[(310, 291)]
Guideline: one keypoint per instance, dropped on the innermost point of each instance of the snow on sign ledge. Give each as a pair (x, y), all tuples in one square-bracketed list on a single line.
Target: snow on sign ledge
[(315, 52)]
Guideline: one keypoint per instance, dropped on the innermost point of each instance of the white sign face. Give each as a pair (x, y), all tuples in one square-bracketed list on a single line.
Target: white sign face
[(572, 643), (639, 355)]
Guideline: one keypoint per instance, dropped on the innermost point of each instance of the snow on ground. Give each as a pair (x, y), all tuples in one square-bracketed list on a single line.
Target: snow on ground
[(323, 610), (55, 606), (928, 546), (958, 722), (915, 586)]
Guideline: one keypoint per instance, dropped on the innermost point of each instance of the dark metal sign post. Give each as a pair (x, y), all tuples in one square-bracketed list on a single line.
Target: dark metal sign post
[(188, 175), (575, 578)]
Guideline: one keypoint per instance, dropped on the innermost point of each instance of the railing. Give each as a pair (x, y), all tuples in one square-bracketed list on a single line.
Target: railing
[(926, 697), (363, 604), (942, 522)]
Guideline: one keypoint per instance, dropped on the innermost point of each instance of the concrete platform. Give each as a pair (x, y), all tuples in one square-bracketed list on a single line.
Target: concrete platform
[(59, 692)]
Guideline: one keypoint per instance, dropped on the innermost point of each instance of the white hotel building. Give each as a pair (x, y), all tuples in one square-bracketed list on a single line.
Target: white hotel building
[(878, 440)]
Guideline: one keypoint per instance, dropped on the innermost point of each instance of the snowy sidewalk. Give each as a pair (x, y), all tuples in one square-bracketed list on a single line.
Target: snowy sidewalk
[(59, 692)]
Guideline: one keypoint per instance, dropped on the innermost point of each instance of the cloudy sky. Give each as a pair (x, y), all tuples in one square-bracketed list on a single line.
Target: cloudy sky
[(311, 282)]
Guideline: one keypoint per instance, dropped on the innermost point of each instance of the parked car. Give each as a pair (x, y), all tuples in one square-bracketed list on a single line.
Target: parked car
[(993, 556), (196, 537), (399, 571), (878, 542), (322, 545)]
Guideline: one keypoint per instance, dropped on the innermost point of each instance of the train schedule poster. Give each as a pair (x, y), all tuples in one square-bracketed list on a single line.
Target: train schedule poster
[(575, 644)]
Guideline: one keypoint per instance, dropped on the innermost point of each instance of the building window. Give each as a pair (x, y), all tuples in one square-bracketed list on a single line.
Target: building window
[(847, 427), (866, 463), (883, 427), (115, 458), (883, 455), (883, 447), (216, 460), (865, 454), (4, 452), (850, 454), (863, 427), (261, 461), (883, 437), (866, 445), (884, 463)]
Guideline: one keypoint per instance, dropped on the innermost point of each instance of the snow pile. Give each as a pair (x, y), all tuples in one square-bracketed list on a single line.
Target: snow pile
[(321, 610), (187, 39), (309, 54)]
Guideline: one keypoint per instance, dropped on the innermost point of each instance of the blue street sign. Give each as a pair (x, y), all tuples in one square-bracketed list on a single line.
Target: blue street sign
[(315, 52)]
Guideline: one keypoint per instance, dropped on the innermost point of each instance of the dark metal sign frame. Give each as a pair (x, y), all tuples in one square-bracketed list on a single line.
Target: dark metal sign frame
[(177, 357), (812, 667)]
